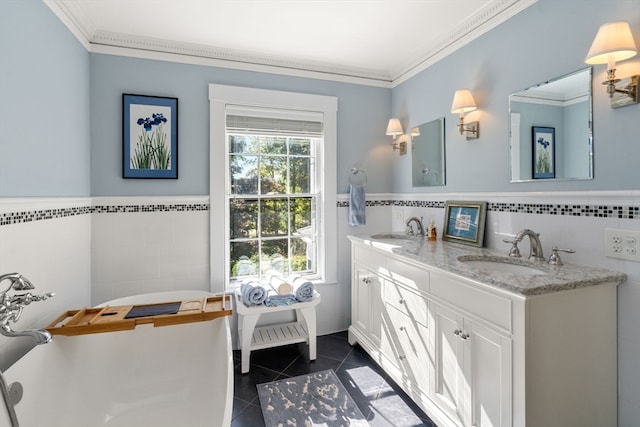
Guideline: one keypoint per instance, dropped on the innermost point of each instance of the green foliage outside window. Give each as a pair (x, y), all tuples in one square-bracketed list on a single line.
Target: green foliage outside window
[(272, 208)]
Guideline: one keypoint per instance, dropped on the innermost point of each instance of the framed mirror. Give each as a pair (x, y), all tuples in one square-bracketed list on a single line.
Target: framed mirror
[(428, 154), (551, 133)]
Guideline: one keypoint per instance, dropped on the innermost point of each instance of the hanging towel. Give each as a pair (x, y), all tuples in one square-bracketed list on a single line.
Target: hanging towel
[(356, 205), (253, 293)]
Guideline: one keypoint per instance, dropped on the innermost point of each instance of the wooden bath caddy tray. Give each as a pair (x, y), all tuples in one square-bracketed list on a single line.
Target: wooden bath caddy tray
[(126, 317)]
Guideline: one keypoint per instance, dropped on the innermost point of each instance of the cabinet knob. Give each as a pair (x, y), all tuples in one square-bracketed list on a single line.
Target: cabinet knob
[(457, 332), (401, 357), (366, 280), (401, 301), (464, 336), (402, 328)]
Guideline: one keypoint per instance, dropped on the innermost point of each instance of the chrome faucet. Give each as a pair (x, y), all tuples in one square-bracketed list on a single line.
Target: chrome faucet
[(17, 282), (534, 243), (418, 222), (11, 307)]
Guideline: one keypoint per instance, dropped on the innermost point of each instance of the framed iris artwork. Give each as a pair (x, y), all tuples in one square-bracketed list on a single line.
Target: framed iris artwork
[(543, 140), (464, 222), (150, 136)]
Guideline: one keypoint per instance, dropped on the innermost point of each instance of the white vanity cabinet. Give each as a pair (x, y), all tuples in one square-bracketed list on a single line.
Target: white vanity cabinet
[(366, 310), (406, 326), (473, 370), (473, 348), (472, 354), (390, 317)]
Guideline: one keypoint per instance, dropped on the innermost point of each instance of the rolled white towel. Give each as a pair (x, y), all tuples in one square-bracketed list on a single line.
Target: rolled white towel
[(303, 289), (280, 285), (253, 292)]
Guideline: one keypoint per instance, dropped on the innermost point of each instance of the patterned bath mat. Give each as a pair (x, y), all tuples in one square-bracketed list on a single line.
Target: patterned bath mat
[(317, 399)]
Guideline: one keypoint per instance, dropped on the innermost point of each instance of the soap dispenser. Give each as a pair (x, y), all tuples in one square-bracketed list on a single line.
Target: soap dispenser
[(432, 233)]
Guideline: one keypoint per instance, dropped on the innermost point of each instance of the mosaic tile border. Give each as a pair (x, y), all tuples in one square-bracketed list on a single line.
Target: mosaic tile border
[(172, 207), (405, 203), (41, 215), (599, 211), (45, 214)]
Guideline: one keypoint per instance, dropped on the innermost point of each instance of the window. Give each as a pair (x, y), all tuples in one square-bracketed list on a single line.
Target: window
[(272, 199), (272, 184)]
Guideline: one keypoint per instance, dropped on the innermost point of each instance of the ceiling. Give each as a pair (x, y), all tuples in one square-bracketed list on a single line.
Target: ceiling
[(379, 40)]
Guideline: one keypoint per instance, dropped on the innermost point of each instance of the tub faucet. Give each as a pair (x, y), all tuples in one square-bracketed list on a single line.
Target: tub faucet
[(534, 243), (418, 224), (17, 282), (11, 307)]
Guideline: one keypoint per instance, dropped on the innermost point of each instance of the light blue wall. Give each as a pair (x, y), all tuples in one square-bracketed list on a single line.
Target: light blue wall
[(549, 39), (44, 104), (577, 139), (363, 112)]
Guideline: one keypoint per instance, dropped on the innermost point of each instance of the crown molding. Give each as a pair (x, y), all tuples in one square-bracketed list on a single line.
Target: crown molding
[(97, 41), (213, 62), (549, 100), (150, 48)]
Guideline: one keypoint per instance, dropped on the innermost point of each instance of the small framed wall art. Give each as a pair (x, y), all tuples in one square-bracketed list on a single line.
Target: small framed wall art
[(150, 136), (543, 140), (464, 222)]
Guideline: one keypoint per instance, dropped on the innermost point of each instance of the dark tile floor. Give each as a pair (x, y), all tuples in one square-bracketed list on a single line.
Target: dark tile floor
[(381, 401)]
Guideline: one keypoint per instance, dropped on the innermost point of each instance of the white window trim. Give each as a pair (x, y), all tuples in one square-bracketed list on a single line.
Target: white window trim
[(219, 97)]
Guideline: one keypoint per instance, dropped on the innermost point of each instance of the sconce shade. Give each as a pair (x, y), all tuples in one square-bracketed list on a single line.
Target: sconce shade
[(463, 102), (394, 128), (415, 131), (613, 42)]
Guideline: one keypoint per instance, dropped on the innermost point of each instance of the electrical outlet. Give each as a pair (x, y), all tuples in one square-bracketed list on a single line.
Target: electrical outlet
[(622, 244)]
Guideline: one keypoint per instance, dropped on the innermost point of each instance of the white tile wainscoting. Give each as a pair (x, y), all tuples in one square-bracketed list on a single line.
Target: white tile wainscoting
[(148, 244), (89, 250), (48, 240)]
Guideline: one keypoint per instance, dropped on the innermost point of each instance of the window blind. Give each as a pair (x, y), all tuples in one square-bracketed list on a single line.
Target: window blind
[(241, 119)]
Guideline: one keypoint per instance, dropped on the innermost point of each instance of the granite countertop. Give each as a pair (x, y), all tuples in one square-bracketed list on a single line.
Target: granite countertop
[(444, 256)]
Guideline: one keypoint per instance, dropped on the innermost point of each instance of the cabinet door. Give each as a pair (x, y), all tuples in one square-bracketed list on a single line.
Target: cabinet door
[(367, 303), (473, 370), (450, 386), (488, 366)]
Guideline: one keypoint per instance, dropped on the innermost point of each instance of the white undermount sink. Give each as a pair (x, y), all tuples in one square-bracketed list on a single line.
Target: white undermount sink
[(502, 265)]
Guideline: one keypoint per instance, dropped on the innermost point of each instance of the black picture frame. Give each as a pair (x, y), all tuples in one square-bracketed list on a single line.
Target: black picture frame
[(149, 137), (464, 222), (543, 142)]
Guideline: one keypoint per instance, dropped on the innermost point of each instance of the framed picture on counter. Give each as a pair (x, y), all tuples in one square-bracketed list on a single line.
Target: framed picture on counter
[(464, 222)]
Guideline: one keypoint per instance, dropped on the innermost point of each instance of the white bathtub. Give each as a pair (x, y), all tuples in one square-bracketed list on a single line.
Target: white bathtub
[(180, 375)]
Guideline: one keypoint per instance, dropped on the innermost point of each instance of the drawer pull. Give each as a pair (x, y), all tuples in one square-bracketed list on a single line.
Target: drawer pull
[(401, 357)]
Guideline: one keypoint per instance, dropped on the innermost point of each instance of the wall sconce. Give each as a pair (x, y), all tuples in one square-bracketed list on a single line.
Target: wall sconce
[(614, 42), (394, 129), (463, 103)]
